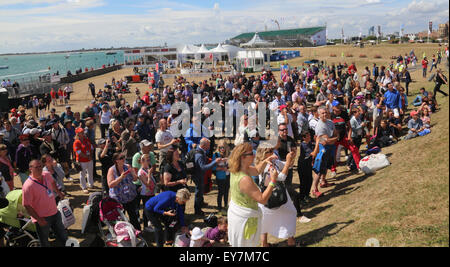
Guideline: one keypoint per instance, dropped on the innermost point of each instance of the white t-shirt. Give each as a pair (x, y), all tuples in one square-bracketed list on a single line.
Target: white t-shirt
[(280, 119), (105, 117), (163, 138)]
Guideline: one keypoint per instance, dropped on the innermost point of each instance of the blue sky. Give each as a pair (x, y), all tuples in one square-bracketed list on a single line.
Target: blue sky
[(49, 25)]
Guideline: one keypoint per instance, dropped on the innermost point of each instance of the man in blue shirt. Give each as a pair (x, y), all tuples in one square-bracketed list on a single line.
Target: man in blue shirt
[(393, 101), (201, 166)]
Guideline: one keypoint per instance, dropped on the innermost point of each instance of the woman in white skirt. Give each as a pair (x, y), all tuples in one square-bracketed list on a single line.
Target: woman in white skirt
[(280, 222)]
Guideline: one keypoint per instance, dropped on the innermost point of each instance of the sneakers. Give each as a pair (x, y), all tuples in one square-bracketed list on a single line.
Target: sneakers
[(85, 191), (304, 219), (332, 174)]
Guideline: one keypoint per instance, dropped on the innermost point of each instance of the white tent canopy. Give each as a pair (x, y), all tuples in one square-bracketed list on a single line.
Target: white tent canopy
[(256, 41), (220, 53), (232, 50), (203, 54), (250, 59), (203, 50)]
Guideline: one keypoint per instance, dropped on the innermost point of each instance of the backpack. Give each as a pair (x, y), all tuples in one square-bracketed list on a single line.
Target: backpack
[(279, 194), (190, 160)]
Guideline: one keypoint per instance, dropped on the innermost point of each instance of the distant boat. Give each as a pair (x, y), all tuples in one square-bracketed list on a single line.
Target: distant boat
[(3, 67), (67, 56), (111, 53)]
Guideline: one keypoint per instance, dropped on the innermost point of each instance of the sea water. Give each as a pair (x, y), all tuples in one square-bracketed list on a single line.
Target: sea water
[(21, 67)]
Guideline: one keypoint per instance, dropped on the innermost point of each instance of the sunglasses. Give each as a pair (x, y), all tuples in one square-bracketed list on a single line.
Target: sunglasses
[(121, 158), (220, 147), (282, 130), (247, 154)]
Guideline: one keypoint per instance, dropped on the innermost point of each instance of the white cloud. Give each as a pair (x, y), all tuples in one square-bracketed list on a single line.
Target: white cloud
[(64, 24)]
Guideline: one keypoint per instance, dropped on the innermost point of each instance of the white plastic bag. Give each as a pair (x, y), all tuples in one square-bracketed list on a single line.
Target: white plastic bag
[(374, 162), (68, 218), (86, 212)]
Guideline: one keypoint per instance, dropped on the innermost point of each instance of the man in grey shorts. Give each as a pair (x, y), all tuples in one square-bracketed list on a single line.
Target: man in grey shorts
[(326, 136)]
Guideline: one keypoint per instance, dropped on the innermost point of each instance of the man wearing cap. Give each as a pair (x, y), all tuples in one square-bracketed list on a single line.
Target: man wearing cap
[(286, 118), (84, 150), (415, 125), (23, 157), (48, 146), (68, 114)]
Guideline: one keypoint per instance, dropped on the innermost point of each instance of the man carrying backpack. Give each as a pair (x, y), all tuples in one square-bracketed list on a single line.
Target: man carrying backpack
[(200, 167)]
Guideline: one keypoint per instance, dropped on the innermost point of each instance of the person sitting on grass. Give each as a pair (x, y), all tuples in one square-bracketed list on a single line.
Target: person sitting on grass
[(415, 125), (419, 98), (385, 135)]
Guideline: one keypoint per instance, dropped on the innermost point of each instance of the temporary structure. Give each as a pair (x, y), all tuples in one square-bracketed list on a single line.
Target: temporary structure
[(251, 59), (188, 52), (232, 50), (220, 53), (256, 41), (203, 54)]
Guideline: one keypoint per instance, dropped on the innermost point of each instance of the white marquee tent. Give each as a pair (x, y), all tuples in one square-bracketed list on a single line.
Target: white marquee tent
[(256, 41)]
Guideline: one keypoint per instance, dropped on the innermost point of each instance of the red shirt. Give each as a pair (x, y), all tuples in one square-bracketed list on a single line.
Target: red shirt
[(85, 147), (424, 64)]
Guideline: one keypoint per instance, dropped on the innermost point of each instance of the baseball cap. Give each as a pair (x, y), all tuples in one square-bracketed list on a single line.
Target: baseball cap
[(414, 113), (26, 131), (79, 130), (282, 107), (67, 121), (335, 103), (42, 119), (67, 107), (145, 142)]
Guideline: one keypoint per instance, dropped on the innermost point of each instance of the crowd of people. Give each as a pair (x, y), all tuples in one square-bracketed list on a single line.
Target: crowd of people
[(147, 169)]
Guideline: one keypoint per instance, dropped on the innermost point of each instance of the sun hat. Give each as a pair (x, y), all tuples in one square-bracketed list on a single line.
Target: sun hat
[(196, 233)]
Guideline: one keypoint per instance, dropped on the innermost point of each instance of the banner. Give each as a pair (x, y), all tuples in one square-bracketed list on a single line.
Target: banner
[(430, 27)]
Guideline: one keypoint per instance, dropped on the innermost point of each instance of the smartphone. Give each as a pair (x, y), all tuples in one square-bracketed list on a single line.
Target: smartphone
[(127, 172)]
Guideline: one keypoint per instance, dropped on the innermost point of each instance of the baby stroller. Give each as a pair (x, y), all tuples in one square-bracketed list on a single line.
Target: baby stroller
[(18, 230), (120, 232)]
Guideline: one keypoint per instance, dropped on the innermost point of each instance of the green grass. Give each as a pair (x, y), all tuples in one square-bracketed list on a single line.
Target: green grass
[(405, 204)]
